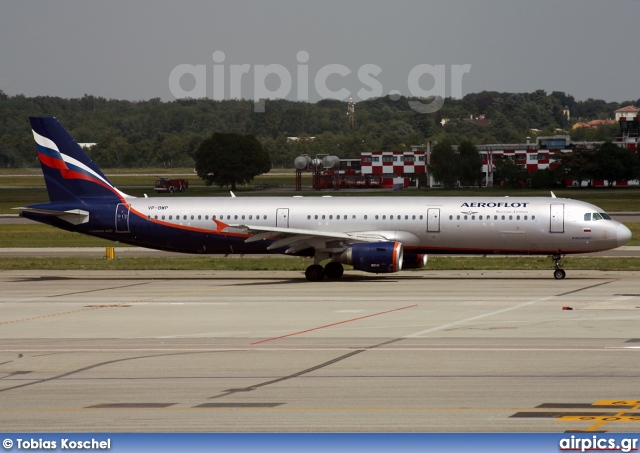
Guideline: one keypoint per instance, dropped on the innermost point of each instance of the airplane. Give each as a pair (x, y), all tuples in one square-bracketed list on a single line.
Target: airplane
[(372, 234)]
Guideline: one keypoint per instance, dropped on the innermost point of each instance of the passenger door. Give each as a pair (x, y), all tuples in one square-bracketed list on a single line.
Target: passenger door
[(122, 218), (557, 218)]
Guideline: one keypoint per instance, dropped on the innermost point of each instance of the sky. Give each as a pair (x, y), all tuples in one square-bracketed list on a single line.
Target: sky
[(312, 50)]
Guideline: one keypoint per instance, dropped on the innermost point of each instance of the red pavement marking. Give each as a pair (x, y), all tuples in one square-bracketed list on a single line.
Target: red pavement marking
[(334, 324)]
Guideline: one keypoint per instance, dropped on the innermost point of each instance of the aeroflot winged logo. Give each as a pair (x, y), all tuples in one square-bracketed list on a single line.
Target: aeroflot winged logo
[(494, 205), (69, 168)]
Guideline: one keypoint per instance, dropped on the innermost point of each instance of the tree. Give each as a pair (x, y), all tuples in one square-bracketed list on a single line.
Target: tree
[(445, 164), (510, 172), (470, 163), (614, 163), (228, 158)]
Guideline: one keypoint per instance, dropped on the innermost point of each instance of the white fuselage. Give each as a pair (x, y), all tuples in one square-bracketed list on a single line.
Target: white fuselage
[(481, 225)]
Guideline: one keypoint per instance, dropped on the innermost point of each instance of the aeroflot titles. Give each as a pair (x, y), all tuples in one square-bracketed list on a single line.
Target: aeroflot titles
[(494, 205)]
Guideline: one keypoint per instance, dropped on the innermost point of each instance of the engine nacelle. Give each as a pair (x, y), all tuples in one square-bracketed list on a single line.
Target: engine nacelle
[(414, 261), (376, 257)]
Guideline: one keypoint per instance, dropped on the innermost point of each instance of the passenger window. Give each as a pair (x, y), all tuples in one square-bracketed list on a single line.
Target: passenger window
[(170, 217), (206, 217), (495, 217), (250, 217), (406, 217), (330, 217), (533, 217), (518, 218), (365, 217), (213, 217), (450, 217), (465, 217), (308, 217), (353, 217), (228, 217), (162, 217), (316, 216), (192, 217), (502, 217), (376, 217), (390, 217), (265, 217), (458, 218), (148, 217), (323, 217), (413, 218), (587, 217), (155, 217), (480, 218), (384, 217), (200, 217), (242, 217), (510, 217), (421, 217), (473, 217), (525, 217)]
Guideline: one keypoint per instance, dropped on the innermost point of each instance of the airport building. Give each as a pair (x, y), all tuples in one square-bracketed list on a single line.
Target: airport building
[(401, 169)]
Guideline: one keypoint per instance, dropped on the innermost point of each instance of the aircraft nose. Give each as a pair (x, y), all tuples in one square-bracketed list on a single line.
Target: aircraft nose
[(623, 235)]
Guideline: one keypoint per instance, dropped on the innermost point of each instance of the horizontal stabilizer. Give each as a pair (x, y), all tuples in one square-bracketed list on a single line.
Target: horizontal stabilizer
[(73, 216)]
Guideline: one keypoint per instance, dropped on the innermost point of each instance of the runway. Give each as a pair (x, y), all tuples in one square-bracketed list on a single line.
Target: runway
[(470, 351)]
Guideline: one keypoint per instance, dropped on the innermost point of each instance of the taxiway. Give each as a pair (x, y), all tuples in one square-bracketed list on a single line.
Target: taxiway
[(474, 351)]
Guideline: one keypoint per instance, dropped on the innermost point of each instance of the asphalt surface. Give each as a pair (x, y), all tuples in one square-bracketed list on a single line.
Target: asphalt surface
[(472, 351)]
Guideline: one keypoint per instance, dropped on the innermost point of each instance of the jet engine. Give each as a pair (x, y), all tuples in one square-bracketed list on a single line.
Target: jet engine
[(414, 261), (376, 257)]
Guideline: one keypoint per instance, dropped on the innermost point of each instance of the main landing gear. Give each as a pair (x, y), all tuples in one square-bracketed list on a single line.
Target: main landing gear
[(559, 273), (316, 272)]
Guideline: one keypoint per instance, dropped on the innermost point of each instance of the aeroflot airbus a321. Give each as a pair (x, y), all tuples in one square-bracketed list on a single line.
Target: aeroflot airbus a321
[(373, 234)]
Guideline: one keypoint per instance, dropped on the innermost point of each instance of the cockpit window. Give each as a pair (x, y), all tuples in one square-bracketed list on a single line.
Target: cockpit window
[(597, 216), (587, 217), (605, 216)]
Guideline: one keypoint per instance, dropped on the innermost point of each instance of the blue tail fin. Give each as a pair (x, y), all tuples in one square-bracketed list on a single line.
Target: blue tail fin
[(68, 172)]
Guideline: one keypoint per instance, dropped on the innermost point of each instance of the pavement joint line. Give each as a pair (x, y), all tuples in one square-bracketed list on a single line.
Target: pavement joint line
[(53, 315)]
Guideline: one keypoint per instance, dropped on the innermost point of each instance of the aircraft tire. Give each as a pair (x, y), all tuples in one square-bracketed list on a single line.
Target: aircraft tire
[(559, 274), (171, 189), (314, 273), (333, 270)]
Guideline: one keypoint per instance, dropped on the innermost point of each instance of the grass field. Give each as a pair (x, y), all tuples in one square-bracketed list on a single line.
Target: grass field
[(21, 187)]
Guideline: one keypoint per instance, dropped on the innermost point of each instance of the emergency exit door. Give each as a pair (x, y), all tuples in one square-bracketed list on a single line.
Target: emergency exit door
[(282, 218)]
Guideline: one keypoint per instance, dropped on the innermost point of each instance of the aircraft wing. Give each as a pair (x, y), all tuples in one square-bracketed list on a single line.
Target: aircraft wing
[(300, 239)]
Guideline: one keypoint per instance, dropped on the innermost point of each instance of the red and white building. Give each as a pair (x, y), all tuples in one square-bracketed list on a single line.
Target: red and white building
[(394, 167)]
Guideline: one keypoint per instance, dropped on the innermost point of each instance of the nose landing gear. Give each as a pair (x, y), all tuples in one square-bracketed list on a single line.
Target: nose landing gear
[(559, 273)]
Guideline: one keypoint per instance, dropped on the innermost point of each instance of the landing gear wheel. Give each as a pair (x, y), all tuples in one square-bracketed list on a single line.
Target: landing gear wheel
[(314, 273), (559, 274), (333, 270), (171, 189)]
